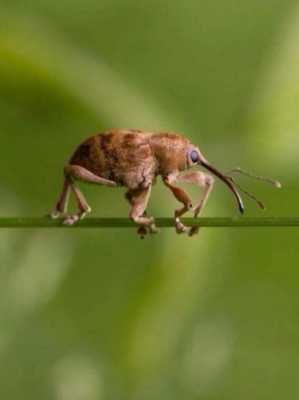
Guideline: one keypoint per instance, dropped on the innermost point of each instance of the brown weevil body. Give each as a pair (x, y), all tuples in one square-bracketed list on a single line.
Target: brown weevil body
[(133, 159)]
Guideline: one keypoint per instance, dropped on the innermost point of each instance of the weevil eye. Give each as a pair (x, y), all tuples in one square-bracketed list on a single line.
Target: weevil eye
[(194, 156)]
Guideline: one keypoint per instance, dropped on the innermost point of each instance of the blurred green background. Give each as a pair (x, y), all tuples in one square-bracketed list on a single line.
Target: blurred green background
[(100, 314)]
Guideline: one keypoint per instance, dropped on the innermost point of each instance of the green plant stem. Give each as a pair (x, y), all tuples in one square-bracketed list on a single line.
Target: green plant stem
[(237, 222)]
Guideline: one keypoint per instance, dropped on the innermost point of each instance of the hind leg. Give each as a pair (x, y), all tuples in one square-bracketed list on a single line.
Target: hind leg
[(62, 202), (83, 207), (73, 173)]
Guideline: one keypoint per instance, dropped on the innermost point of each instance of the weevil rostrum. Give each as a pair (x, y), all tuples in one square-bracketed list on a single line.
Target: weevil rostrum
[(133, 159)]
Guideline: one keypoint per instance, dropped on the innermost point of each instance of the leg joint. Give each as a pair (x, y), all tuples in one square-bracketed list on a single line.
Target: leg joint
[(67, 170), (209, 180)]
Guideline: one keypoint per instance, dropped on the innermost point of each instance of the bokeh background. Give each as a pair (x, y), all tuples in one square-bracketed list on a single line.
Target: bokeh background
[(100, 314)]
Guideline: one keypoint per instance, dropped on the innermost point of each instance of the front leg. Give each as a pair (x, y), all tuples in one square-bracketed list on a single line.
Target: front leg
[(183, 198), (204, 181)]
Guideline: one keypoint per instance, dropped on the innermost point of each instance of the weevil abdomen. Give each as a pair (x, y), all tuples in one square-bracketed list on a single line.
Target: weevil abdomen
[(125, 158)]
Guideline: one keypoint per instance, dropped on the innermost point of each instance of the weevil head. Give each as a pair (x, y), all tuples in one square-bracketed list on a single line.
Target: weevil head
[(194, 157)]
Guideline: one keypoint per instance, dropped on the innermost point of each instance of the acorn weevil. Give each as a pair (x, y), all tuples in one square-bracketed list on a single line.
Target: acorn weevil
[(133, 159)]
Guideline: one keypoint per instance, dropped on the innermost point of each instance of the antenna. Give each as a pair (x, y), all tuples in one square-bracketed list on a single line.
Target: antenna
[(272, 182), (250, 195), (239, 170)]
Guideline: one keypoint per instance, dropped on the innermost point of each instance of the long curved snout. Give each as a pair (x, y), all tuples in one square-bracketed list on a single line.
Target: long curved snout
[(225, 179)]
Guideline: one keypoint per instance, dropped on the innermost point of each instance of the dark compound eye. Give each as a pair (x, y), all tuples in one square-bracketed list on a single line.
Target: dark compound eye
[(194, 156)]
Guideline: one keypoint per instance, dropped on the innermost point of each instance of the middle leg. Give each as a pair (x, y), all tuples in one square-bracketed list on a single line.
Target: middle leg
[(138, 198)]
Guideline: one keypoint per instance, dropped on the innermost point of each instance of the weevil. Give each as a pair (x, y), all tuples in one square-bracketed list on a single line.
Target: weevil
[(134, 159)]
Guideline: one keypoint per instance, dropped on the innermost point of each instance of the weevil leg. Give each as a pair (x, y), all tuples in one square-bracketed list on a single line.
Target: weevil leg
[(76, 172), (142, 230), (82, 174), (204, 181), (62, 202), (138, 198), (183, 198), (73, 173), (83, 207)]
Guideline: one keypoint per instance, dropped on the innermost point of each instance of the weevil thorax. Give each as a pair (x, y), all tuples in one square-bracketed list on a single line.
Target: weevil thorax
[(171, 152)]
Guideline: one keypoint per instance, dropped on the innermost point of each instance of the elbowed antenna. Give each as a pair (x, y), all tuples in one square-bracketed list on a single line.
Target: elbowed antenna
[(226, 180), (272, 182)]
